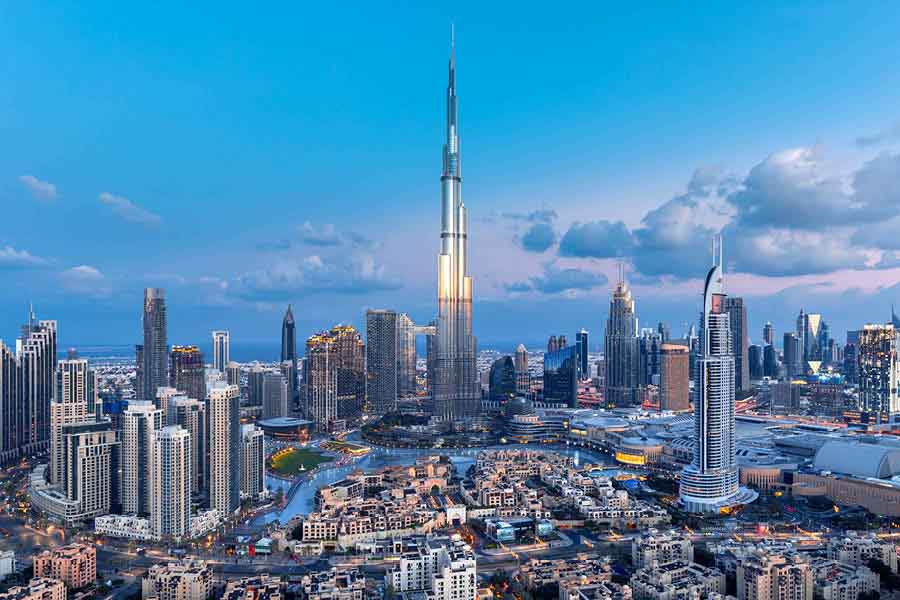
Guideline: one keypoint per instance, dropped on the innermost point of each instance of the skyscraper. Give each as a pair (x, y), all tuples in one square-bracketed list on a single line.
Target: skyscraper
[(188, 372), (382, 360), (502, 381), (233, 373), (622, 349), (221, 349), (154, 370), (171, 514), (755, 358), (9, 405), (36, 354), (90, 467), (274, 395), (738, 318), (407, 332), (456, 389), (289, 350), (253, 461), (581, 340), (878, 374), (552, 344), (350, 353), (223, 410), (140, 422), (523, 376), (770, 362), (710, 482), (768, 333), (320, 378), (793, 355), (190, 415), (76, 397), (561, 376), (674, 377)]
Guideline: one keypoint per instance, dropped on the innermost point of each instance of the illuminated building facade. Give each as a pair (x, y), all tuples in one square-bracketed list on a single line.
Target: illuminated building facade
[(622, 349), (187, 373), (877, 373), (455, 387)]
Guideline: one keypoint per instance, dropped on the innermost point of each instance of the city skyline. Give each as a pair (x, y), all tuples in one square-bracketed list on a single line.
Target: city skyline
[(319, 244)]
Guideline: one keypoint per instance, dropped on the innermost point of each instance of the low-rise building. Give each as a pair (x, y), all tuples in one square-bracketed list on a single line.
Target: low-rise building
[(333, 584), (839, 581), (584, 570), (75, 565), (858, 549), (604, 590), (258, 587), (677, 580), (39, 588), (7, 563), (774, 576), (443, 567), (189, 580), (660, 547)]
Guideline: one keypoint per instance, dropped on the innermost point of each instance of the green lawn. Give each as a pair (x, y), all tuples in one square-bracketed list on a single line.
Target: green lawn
[(288, 463)]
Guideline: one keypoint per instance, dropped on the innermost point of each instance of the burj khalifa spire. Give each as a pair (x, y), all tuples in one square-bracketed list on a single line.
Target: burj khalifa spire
[(456, 390)]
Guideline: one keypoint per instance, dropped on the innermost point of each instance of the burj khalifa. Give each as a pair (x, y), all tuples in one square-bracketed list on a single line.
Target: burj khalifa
[(456, 391)]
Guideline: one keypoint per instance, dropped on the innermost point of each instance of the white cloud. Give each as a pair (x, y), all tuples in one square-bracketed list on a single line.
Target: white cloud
[(43, 190), (85, 280), (10, 258), (129, 211)]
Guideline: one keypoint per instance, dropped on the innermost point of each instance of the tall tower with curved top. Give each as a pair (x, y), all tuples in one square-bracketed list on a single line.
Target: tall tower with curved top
[(456, 390), (710, 483)]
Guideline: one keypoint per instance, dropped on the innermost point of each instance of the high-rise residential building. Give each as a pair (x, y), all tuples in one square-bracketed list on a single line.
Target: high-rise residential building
[(737, 312), (346, 357), (233, 374), (621, 349), (581, 340), (793, 356), (763, 576), (456, 389), (710, 482), (442, 567), (253, 461), (90, 476), (190, 415), (523, 376), (223, 410), (9, 405), (76, 401), (755, 360), (674, 377), (27, 429), (164, 396), (154, 363), (170, 517), (187, 580), (187, 372), (663, 330), (221, 345), (382, 360), (320, 377), (561, 376), (502, 381), (770, 362), (768, 333), (877, 373), (648, 357), (274, 395), (289, 350), (140, 422), (255, 377), (75, 565), (407, 332)]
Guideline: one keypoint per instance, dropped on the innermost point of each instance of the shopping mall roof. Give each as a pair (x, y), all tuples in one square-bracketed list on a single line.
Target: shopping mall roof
[(860, 460)]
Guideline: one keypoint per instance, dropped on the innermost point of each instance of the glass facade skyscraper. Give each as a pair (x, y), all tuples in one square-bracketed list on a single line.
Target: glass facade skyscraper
[(187, 372), (581, 340), (455, 387), (221, 350), (561, 376), (502, 380), (289, 351)]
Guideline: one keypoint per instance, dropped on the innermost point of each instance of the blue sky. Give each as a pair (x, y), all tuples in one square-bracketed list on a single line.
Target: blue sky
[(243, 159)]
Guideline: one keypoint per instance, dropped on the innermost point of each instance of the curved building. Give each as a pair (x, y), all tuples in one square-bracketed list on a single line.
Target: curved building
[(502, 380), (710, 483), (456, 389)]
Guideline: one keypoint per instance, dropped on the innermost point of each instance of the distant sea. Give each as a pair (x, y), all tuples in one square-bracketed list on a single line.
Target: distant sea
[(124, 353)]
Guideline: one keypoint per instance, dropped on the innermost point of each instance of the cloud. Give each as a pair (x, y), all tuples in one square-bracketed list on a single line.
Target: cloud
[(327, 235), (10, 258), (294, 277), (544, 215), (885, 136), (85, 280), (555, 280), (596, 239), (43, 190), (129, 211), (539, 238), (783, 252)]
